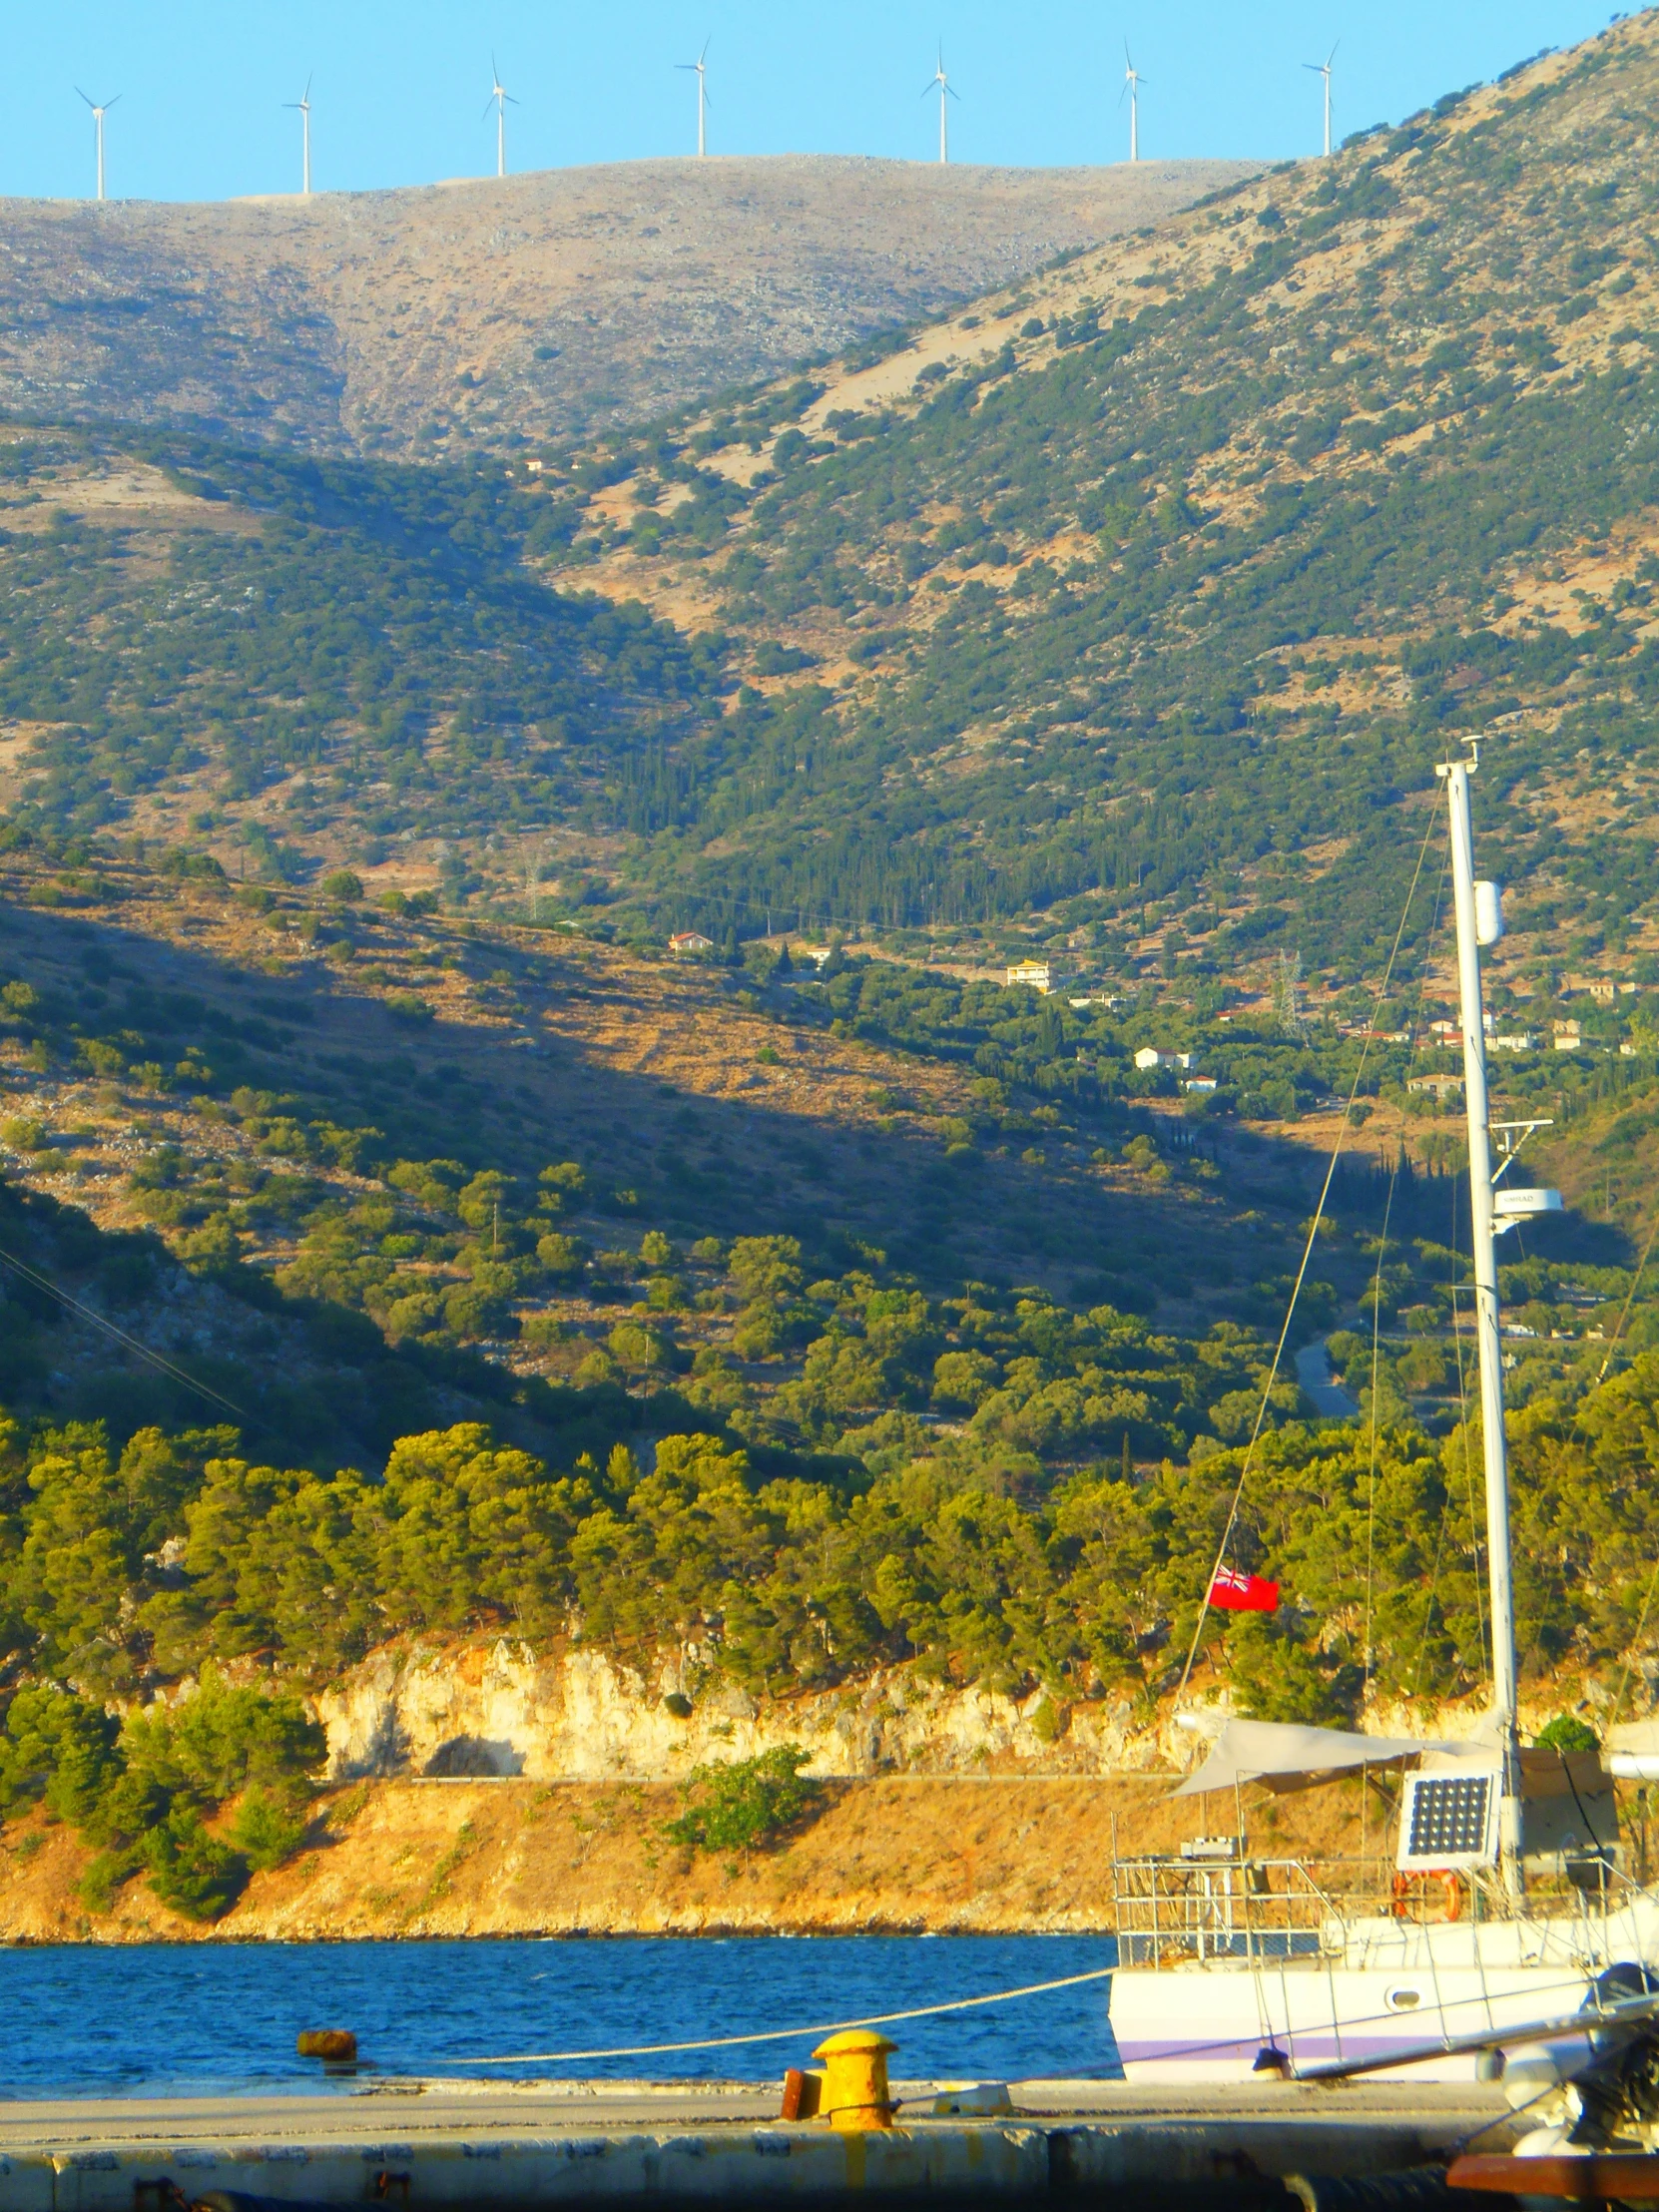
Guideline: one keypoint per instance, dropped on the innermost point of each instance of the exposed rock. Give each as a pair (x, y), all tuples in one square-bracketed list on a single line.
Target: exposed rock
[(585, 1714)]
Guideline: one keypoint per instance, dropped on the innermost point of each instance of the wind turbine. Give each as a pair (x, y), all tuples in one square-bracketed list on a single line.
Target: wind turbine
[(99, 111), (1132, 81), (1323, 69), (498, 99), (701, 98), (946, 87), (303, 105)]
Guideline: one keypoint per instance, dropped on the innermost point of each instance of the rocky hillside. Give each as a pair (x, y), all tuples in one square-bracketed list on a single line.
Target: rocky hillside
[(485, 1790), (486, 312), (1139, 598)]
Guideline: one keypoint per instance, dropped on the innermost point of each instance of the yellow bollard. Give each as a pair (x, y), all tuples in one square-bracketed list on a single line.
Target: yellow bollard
[(854, 2092)]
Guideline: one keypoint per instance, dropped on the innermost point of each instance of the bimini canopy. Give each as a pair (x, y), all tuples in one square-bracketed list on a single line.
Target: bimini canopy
[(1633, 1751), (1288, 1758)]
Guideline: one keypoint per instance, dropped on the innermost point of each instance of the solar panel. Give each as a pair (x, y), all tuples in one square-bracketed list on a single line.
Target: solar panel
[(1448, 1820)]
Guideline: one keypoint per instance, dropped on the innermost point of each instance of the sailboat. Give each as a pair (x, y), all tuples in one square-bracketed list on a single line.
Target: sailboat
[(1233, 1964)]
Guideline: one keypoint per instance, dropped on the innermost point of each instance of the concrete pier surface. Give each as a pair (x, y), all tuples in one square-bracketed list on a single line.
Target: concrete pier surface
[(547, 2143)]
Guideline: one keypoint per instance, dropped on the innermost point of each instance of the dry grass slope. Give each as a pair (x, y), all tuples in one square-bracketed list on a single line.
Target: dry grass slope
[(409, 1859)]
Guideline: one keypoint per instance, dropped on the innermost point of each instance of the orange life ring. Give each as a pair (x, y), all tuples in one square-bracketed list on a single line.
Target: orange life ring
[(1416, 1887)]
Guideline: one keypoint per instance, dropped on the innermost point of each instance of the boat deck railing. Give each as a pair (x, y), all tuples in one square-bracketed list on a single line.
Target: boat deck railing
[(1178, 1910), (1174, 1909)]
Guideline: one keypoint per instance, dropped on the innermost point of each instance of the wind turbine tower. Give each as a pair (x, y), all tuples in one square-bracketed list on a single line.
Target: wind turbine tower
[(947, 90), (303, 106), (1132, 81), (1323, 69), (700, 71), (498, 99), (99, 109)]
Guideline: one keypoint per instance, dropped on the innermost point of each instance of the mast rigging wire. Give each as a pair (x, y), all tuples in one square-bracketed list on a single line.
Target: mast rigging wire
[(1376, 1317), (1306, 1255)]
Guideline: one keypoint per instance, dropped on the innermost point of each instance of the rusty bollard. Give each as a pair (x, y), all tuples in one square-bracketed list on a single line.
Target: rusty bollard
[(855, 2094)]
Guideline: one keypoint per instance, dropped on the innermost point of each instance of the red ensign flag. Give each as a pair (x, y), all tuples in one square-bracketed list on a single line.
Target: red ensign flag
[(1243, 1593)]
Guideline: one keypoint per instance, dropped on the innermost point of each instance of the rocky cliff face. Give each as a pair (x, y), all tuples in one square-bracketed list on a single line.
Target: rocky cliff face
[(486, 1789), (585, 1715)]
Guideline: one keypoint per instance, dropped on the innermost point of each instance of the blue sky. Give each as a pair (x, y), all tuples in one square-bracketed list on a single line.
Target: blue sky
[(399, 90)]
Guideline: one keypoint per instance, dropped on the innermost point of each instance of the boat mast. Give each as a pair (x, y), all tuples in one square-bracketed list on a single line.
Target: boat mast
[(1470, 934)]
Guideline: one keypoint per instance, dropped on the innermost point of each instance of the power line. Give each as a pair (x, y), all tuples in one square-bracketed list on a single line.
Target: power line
[(88, 1313)]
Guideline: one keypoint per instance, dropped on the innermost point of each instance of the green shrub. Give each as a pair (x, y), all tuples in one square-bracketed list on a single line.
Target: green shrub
[(1050, 1721), (103, 1878), (267, 1831), (1566, 1733), (759, 1334), (227, 1736), (59, 1749), (192, 1871), (561, 1256), (744, 1803), (637, 1347)]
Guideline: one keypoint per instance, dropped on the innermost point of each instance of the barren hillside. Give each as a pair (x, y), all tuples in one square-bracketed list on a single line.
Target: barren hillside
[(531, 308)]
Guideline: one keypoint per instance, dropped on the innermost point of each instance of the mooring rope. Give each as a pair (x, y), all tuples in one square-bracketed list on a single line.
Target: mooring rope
[(787, 2034)]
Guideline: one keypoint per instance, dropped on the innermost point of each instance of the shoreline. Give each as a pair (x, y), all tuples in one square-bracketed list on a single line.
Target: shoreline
[(402, 1861)]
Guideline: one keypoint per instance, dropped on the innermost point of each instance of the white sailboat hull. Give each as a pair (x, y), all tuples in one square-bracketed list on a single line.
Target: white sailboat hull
[(1385, 1988)]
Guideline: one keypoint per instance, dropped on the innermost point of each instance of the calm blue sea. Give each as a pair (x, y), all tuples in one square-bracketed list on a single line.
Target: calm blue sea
[(188, 2018)]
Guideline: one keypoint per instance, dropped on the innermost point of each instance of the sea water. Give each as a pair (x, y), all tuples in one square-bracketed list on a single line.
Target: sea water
[(190, 2018)]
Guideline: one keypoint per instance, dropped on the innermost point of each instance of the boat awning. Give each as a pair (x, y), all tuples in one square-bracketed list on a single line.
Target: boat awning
[(1633, 1751), (1287, 1757)]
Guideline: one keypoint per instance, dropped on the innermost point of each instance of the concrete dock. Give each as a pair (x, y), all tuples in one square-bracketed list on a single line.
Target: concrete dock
[(457, 2144)]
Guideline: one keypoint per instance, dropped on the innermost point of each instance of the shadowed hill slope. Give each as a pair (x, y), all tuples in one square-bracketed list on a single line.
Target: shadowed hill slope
[(495, 311)]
